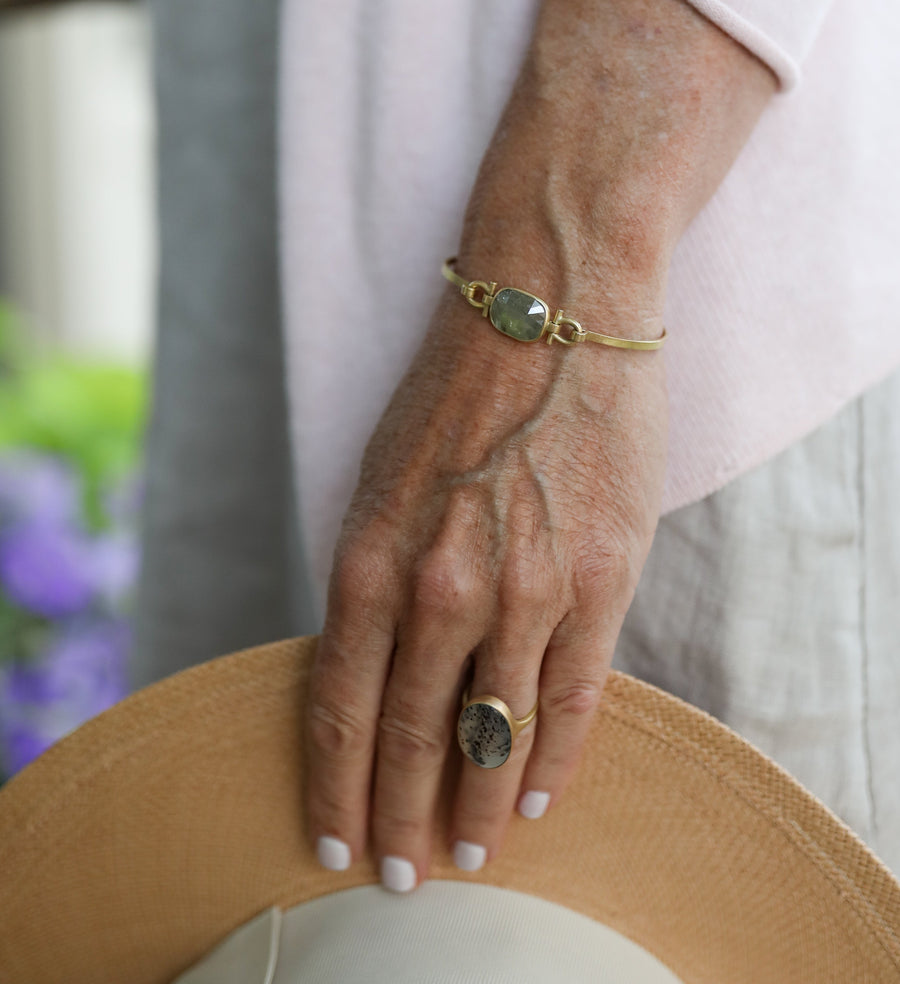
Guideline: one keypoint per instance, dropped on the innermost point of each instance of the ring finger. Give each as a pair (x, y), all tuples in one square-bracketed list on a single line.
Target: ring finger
[(507, 666)]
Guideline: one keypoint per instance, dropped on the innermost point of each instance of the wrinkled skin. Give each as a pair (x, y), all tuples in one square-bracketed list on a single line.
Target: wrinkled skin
[(508, 497)]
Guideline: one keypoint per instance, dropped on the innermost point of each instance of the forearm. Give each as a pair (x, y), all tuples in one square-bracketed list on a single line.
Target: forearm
[(626, 116)]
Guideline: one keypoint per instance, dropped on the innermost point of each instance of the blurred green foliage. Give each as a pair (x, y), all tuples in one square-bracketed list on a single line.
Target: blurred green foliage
[(89, 413)]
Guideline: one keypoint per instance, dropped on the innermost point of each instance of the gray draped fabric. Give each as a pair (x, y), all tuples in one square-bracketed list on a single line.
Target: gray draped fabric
[(220, 552)]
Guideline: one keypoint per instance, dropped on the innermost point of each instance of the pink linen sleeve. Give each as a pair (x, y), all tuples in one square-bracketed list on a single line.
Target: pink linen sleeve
[(778, 32)]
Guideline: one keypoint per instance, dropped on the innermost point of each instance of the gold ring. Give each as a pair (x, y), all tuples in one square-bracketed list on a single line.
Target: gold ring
[(486, 730)]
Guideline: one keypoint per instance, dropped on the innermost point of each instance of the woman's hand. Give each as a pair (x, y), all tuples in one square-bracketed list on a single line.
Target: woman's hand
[(506, 505), (509, 495)]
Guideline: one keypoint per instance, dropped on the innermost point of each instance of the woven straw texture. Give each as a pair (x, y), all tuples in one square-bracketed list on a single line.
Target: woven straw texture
[(137, 843)]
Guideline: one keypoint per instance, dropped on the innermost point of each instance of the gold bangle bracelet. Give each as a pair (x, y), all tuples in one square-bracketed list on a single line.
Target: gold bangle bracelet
[(526, 318)]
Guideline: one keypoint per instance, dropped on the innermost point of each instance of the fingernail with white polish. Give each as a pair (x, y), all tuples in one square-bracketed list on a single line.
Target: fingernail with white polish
[(333, 854), (533, 804), (468, 856), (398, 874)]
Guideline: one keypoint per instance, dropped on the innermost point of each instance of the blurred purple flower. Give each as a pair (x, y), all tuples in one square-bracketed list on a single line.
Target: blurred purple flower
[(81, 674), (112, 561), (45, 567), (35, 485), (73, 661), (21, 745)]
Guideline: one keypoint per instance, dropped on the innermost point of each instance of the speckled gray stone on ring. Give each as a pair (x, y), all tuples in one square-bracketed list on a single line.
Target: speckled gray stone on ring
[(486, 730)]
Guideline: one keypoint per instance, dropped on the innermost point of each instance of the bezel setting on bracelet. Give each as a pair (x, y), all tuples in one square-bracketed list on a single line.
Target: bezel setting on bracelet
[(519, 315)]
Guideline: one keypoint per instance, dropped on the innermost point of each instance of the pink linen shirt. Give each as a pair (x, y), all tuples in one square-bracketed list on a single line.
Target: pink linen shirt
[(783, 294)]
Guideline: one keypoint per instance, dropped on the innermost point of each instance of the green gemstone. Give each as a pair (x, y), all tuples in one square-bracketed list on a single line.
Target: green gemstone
[(519, 315)]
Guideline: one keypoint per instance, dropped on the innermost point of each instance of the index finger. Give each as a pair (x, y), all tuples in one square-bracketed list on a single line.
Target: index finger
[(346, 685)]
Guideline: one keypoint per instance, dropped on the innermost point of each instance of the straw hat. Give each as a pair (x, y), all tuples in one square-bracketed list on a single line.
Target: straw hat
[(135, 845)]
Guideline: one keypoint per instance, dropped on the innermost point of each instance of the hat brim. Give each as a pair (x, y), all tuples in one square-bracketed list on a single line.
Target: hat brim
[(133, 846)]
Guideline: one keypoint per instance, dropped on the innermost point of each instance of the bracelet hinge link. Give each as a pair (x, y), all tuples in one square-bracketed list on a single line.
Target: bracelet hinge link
[(554, 330), (479, 294)]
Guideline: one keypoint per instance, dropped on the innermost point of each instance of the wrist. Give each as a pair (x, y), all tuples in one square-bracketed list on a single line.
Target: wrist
[(525, 292), (624, 118), (605, 267)]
